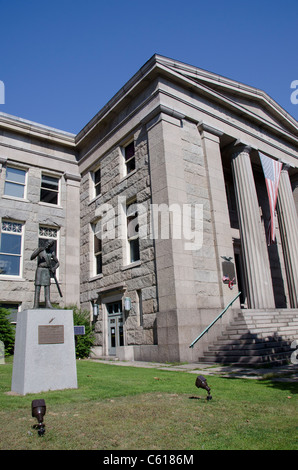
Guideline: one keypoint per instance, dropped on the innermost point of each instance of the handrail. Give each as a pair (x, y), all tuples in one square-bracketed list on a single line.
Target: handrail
[(214, 321)]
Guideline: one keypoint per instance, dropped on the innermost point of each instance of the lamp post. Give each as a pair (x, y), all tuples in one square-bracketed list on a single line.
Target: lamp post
[(201, 382), (38, 412)]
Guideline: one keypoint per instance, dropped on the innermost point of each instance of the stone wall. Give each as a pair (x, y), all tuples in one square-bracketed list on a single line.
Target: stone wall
[(117, 275), (196, 179), (36, 157)]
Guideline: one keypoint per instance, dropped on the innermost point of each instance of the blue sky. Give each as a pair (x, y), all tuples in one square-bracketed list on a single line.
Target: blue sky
[(62, 60)]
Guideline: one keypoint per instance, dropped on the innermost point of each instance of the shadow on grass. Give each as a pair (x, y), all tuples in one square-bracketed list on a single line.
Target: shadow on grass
[(278, 382), (291, 387)]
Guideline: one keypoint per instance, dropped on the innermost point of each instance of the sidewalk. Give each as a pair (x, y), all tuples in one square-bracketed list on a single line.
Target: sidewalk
[(285, 373)]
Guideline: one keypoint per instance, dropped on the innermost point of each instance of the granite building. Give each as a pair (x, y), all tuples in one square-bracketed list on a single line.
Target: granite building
[(160, 212)]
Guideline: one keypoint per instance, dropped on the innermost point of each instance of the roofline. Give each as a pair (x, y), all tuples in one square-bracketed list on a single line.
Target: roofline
[(228, 83), (204, 80), (198, 78), (37, 130), (136, 78)]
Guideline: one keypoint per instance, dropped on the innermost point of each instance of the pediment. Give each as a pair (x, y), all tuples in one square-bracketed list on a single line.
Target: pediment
[(249, 101)]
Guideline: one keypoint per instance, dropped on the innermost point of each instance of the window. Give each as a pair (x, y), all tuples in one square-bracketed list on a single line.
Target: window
[(13, 309), (97, 182), (114, 308), (129, 157), (45, 234), (97, 249), (15, 182), (140, 307), (10, 248), (49, 189), (132, 232)]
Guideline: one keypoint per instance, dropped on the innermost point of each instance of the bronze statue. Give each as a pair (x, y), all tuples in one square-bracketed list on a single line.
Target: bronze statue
[(47, 263)]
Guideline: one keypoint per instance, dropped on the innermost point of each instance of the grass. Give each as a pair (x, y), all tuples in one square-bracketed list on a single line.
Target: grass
[(130, 408)]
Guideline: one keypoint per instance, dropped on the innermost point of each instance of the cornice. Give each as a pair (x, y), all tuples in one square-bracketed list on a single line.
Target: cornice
[(38, 131), (200, 82), (223, 83)]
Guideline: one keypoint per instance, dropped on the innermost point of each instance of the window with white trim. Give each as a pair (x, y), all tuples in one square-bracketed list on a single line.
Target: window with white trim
[(129, 157), (132, 232), (49, 189), (15, 182), (46, 234), (96, 262), (11, 248), (97, 182)]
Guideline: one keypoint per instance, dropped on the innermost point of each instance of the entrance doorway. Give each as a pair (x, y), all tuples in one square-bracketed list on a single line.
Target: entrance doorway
[(240, 279), (115, 326)]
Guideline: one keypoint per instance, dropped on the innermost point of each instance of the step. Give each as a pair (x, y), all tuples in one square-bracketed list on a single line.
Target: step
[(247, 360), (256, 338), (249, 352), (233, 357), (256, 347)]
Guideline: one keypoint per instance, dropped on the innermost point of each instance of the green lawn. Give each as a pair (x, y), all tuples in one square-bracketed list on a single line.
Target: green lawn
[(130, 408)]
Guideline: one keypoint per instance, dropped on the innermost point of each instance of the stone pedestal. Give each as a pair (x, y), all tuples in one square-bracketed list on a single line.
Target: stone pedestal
[(44, 357)]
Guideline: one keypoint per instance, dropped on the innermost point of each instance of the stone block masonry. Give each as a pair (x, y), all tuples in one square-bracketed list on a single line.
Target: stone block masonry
[(135, 280)]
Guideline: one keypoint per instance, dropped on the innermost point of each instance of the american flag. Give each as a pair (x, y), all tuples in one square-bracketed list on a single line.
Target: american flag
[(271, 169)]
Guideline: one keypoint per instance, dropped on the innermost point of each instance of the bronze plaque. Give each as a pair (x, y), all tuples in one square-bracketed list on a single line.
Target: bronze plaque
[(51, 334), (228, 270)]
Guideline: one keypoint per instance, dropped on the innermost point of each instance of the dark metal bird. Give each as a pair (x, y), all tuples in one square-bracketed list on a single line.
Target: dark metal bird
[(227, 258)]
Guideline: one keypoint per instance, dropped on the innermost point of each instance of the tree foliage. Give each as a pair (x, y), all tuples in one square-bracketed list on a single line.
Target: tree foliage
[(7, 331), (84, 342)]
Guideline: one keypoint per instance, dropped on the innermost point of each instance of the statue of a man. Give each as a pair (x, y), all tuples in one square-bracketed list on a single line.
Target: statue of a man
[(47, 263)]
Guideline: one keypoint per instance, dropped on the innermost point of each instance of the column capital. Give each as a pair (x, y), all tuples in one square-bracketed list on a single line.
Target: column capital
[(285, 167), (203, 127), (240, 147), (71, 177)]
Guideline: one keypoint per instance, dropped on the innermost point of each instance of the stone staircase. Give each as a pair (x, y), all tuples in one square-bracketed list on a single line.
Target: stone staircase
[(256, 337)]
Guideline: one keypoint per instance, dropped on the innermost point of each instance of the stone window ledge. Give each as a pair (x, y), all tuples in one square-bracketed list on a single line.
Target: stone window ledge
[(131, 265)]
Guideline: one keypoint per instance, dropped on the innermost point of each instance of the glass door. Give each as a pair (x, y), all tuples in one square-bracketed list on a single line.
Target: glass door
[(115, 326)]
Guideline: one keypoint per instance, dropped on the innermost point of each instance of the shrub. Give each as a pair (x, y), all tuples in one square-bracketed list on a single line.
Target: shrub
[(7, 332), (86, 341)]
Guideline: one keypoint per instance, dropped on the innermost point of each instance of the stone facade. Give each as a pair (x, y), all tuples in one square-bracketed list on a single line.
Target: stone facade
[(38, 151), (163, 210), (119, 276)]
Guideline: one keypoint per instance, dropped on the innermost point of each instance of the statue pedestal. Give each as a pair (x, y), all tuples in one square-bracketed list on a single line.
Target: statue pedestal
[(44, 356)]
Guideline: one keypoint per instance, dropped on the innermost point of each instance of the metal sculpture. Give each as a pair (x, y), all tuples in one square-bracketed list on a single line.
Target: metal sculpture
[(201, 382)]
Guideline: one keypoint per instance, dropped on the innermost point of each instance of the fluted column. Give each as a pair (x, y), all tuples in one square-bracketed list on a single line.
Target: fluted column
[(253, 242), (288, 225)]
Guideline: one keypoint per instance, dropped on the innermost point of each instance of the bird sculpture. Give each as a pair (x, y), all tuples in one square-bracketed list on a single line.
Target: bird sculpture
[(227, 258)]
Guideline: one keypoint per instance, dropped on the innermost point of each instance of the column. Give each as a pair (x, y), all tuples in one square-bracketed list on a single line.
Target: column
[(253, 241), (223, 243), (174, 265), (288, 224), (72, 240)]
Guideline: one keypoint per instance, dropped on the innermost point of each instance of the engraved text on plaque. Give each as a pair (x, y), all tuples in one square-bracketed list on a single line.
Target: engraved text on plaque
[(51, 334)]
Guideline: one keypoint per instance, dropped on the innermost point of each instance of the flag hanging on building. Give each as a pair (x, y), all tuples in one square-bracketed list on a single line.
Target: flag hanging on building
[(271, 169)]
